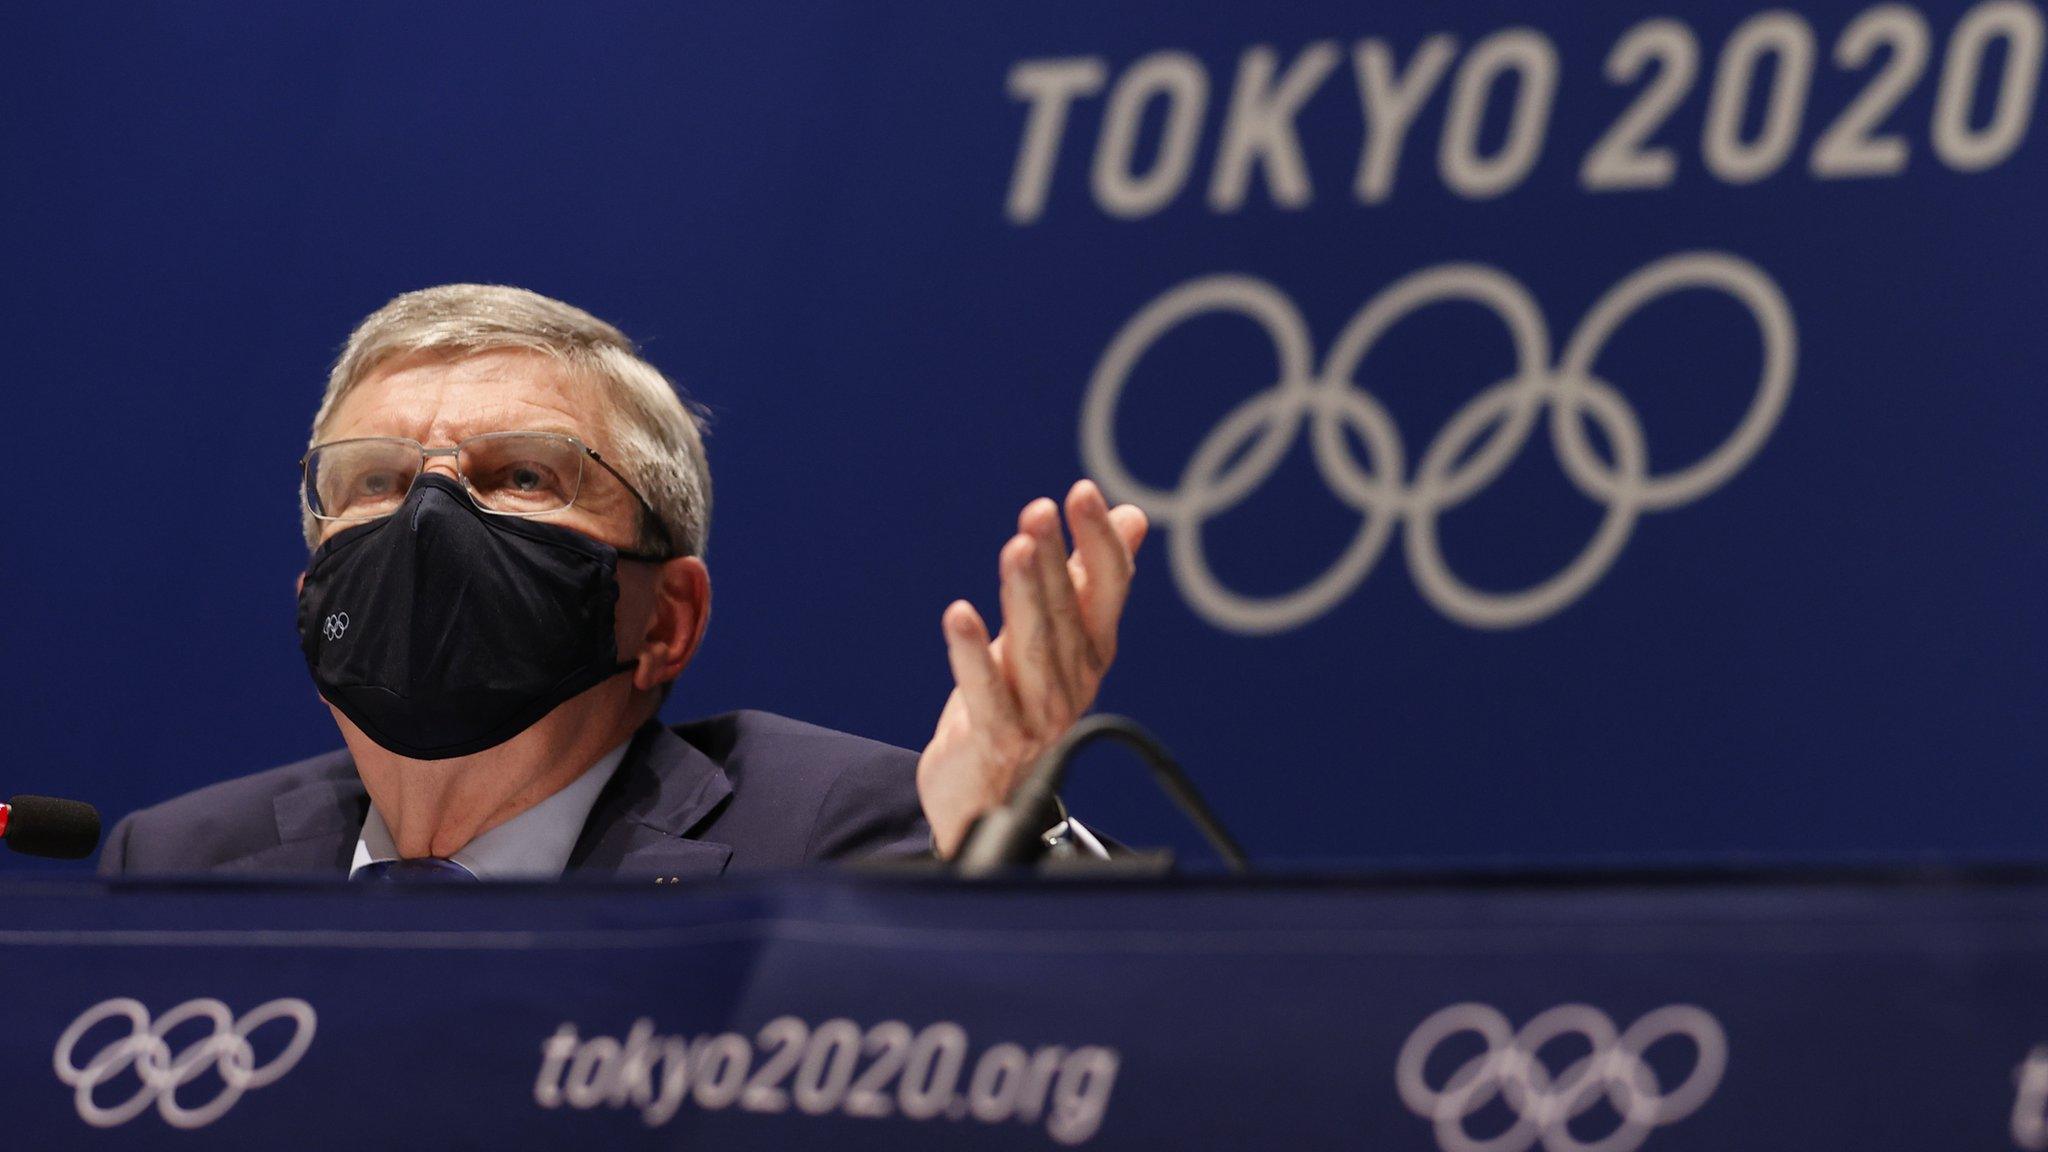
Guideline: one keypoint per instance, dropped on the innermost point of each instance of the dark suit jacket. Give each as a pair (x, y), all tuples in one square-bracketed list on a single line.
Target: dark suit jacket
[(746, 790)]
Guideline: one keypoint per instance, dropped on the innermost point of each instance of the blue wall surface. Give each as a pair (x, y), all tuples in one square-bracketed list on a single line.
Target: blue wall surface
[(1570, 432)]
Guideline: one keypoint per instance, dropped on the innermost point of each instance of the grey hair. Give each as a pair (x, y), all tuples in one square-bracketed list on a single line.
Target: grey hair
[(657, 435)]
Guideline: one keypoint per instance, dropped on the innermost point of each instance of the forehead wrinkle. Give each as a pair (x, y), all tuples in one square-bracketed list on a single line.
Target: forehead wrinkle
[(453, 423), (439, 402)]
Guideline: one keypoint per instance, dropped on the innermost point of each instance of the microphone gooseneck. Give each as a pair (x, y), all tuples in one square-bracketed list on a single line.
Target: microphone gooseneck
[(1008, 837)]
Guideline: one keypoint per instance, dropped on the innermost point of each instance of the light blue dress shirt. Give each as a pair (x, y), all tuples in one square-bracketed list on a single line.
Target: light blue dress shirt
[(533, 845)]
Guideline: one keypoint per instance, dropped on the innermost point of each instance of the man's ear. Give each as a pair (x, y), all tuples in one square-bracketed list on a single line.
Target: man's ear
[(682, 609)]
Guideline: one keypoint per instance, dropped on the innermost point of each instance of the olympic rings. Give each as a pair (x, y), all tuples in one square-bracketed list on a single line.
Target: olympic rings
[(1545, 1104), (1244, 450), (162, 1072)]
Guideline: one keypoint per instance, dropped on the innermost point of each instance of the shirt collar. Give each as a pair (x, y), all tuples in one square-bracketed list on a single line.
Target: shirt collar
[(533, 845)]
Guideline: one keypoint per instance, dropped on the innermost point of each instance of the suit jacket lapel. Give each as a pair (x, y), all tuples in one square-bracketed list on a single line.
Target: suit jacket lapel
[(664, 789), (317, 826)]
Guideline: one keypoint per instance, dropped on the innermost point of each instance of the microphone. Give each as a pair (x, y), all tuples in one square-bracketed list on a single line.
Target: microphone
[(47, 826), (1008, 837)]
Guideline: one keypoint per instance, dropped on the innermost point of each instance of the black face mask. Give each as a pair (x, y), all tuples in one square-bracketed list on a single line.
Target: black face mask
[(443, 630)]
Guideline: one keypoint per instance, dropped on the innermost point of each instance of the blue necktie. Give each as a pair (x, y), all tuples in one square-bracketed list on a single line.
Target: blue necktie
[(420, 868)]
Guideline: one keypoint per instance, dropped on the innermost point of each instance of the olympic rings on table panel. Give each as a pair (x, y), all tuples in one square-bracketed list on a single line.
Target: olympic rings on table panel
[(163, 1072), (1544, 1104)]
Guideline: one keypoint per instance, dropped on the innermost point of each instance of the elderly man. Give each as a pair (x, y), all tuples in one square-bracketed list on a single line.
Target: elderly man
[(507, 510)]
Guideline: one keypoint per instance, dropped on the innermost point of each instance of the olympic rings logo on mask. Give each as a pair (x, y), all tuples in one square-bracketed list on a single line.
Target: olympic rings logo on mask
[(1242, 451), (1544, 1104), (335, 626), (164, 1072)]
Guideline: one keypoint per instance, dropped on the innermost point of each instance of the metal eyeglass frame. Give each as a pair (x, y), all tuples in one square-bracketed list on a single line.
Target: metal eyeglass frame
[(668, 544)]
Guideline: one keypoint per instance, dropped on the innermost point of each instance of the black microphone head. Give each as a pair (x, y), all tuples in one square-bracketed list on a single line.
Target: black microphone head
[(47, 826)]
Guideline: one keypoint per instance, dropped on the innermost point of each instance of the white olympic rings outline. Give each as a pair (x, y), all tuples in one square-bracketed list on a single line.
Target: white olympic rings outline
[(335, 626), (1445, 476), (163, 1072), (1545, 1105)]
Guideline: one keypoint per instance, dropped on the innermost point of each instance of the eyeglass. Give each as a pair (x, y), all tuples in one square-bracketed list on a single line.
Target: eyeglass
[(506, 473)]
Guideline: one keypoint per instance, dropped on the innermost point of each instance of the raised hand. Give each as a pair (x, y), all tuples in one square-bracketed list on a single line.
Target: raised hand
[(1014, 695)]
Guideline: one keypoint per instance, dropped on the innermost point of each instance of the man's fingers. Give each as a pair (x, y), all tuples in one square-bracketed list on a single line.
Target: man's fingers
[(1073, 648), (1131, 526), (1028, 655), (981, 683), (1105, 542)]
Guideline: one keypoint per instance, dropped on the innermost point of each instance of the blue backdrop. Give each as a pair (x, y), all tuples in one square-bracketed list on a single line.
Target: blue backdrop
[(1570, 433)]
